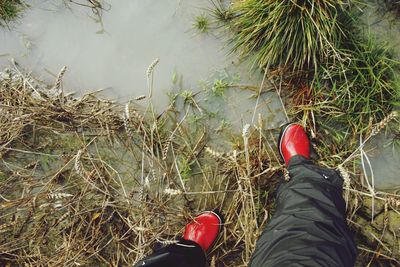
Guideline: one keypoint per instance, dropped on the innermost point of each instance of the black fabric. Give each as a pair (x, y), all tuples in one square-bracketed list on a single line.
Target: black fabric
[(309, 226), (183, 254)]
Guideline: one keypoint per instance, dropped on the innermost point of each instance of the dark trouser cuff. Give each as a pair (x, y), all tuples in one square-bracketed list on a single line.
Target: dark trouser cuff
[(298, 160), (185, 253)]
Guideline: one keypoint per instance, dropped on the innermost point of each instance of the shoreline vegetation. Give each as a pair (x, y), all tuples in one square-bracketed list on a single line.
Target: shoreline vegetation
[(88, 181)]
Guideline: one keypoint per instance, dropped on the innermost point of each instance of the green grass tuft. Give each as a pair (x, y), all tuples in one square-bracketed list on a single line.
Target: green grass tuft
[(202, 23), (220, 12), (365, 90), (298, 34), (9, 10), (393, 5)]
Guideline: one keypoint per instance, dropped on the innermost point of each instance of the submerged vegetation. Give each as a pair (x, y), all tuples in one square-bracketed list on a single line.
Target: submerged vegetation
[(88, 181)]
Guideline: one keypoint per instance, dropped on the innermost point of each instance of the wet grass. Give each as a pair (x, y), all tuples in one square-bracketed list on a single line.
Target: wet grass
[(202, 23), (364, 93), (393, 5), (329, 66), (9, 10), (88, 181), (294, 34), (336, 78), (92, 182)]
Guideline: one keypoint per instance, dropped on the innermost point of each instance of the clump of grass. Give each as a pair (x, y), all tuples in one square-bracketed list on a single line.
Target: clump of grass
[(9, 10), (220, 12), (296, 34), (202, 23), (366, 89)]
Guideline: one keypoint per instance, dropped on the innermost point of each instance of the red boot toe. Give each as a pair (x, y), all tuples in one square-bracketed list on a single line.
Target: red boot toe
[(204, 229), (294, 141)]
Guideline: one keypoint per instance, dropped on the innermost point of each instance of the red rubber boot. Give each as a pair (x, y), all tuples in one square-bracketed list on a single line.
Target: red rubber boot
[(294, 141), (204, 229)]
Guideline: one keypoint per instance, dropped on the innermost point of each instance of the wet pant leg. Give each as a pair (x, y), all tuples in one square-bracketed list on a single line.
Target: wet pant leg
[(183, 254), (309, 226)]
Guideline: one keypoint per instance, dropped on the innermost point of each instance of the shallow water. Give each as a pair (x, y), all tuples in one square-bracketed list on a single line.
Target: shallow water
[(116, 53), (384, 156), (384, 25)]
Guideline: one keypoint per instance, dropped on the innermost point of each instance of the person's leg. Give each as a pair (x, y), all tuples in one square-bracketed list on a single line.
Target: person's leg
[(182, 254), (309, 226), (199, 236)]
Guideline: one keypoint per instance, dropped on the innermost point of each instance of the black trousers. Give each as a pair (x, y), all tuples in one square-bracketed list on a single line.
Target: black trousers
[(308, 228), (183, 254)]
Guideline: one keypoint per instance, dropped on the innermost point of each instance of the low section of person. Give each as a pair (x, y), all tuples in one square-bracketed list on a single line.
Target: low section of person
[(308, 228), (309, 225)]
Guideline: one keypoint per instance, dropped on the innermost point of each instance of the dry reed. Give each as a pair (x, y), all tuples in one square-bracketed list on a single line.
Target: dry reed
[(72, 176)]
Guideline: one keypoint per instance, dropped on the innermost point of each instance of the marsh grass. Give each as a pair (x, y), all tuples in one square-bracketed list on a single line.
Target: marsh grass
[(367, 90), (201, 23), (86, 181), (220, 12), (9, 10), (393, 5), (337, 76), (294, 34)]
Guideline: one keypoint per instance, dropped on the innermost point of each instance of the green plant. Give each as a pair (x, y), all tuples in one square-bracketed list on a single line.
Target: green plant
[(393, 5), (365, 89), (9, 10), (201, 23), (298, 34), (219, 12), (219, 87), (187, 96)]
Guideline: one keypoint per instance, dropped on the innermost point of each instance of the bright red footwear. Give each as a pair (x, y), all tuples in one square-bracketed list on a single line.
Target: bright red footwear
[(294, 141), (204, 229)]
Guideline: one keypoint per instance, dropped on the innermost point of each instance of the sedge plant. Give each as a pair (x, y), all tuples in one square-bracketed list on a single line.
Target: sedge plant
[(348, 100), (299, 34), (9, 10)]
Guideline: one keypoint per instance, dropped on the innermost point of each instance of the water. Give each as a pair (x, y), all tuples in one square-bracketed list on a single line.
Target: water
[(384, 25), (382, 153), (114, 53)]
